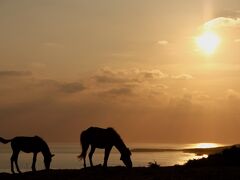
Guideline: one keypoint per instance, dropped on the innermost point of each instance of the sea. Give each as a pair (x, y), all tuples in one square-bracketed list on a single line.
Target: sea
[(66, 156)]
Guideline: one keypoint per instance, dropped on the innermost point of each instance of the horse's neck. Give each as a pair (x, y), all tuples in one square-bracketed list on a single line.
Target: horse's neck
[(120, 146), (45, 150)]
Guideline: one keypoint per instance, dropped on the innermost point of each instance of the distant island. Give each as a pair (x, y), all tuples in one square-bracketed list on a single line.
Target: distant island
[(197, 151)]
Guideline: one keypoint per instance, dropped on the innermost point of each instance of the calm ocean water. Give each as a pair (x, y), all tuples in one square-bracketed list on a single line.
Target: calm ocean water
[(66, 156)]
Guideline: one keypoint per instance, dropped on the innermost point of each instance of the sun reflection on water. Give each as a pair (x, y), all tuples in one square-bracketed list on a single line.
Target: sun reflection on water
[(206, 145)]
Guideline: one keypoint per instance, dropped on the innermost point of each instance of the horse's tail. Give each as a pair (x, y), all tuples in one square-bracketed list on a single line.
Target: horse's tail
[(5, 141), (84, 144)]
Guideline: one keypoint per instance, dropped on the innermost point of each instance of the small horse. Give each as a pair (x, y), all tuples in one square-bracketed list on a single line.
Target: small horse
[(28, 145), (103, 139)]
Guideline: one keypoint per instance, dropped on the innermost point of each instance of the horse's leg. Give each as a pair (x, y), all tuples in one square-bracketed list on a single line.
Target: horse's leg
[(16, 162), (34, 162), (84, 153), (12, 161), (91, 154), (107, 152), (14, 158), (84, 162)]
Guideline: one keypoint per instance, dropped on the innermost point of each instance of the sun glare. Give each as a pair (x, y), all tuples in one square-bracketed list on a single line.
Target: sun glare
[(206, 145), (208, 42)]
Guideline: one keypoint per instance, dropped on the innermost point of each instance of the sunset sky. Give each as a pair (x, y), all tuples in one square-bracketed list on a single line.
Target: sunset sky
[(156, 71)]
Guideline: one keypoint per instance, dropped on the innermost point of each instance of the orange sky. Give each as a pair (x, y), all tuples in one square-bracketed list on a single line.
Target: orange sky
[(133, 65)]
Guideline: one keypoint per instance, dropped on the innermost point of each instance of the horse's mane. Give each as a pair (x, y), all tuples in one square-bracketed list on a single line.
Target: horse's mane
[(45, 145), (40, 139), (114, 133)]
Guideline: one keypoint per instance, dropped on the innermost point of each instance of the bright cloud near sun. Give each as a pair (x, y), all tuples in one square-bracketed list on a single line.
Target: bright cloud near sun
[(222, 22)]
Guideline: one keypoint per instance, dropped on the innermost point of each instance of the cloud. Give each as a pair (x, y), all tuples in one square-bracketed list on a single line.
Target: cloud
[(104, 78), (52, 45), (37, 65), (129, 83), (58, 86), (161, 86), (108, 75), (229, 13), (13, 73), (182, 103), (221, 22), (232, 94), (201, 96), (72, 87), (152, 74), (122, 54), (183, 77), (163, 42), (141, 83), (122, 91)]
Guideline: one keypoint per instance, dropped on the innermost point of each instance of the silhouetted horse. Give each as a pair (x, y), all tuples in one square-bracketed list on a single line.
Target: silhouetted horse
[(29, 145), (103, 139)]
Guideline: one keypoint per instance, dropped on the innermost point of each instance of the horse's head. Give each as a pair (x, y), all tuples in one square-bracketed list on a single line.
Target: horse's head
[(47, 161), (126, 158)]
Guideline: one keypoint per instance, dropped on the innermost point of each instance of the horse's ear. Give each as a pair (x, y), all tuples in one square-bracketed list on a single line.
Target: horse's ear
[(52, 155)]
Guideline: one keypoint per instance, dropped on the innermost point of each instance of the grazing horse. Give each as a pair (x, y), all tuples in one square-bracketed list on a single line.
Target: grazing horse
[(103, 139), (28, 145)]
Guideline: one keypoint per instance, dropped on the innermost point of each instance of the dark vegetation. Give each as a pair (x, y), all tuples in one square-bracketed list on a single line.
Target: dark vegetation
[(138, 173), (154, 165), (227, 157)]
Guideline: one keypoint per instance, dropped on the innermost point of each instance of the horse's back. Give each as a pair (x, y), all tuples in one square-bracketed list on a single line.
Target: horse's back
[(99, 137), (27, 144), (96, 132)]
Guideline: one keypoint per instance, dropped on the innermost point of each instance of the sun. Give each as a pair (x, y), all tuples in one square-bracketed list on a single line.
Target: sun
[(208, 42)]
